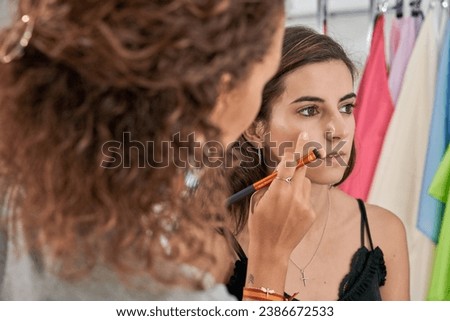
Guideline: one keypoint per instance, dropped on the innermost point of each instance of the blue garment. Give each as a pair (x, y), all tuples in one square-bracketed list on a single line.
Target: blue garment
[(431, 210)]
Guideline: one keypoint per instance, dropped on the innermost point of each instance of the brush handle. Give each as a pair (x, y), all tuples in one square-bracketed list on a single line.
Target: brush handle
[(301, 162), (269, 179), (249, 190)]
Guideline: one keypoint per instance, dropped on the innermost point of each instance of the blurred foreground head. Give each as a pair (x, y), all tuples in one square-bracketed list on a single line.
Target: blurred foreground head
[(90, 93)]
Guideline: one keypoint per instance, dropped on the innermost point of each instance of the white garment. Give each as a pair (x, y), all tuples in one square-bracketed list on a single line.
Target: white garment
[(27, 277), (398, 177)]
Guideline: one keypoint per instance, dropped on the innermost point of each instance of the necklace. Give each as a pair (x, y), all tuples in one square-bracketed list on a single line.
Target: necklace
[(302, 270)]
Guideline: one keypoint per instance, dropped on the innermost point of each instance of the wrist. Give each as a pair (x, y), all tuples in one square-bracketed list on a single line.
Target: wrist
[(262, 294), (268, 254), (264, 271)]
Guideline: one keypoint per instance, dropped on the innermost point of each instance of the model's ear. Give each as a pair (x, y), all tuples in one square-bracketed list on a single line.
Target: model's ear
[(255, 133)]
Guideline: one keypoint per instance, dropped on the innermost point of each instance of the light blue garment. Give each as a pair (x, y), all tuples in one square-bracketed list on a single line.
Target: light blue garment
[(431, 210)]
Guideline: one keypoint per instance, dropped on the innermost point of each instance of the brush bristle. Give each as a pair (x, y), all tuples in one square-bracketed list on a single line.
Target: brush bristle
[(318, 153)]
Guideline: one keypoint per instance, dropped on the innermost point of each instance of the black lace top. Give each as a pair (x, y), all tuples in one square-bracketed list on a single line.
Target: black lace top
[(362, 283)]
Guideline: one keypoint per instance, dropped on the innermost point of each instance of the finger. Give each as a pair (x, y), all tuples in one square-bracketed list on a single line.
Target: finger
[(255, 198), (299, 175), (285, 170), (302, 146), (286, 167)]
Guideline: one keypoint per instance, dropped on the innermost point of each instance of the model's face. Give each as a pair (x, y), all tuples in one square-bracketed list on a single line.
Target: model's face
[(239, 106), (318, 99)]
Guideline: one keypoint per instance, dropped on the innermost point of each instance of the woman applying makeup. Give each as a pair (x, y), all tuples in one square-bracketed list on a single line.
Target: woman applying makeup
[(353, 251)]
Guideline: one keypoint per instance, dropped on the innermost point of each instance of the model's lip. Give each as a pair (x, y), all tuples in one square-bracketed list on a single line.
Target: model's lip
[(339, 154)]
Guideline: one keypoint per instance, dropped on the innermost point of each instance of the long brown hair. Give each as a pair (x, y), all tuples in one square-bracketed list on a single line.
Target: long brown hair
[(301, 46), (95, 71)]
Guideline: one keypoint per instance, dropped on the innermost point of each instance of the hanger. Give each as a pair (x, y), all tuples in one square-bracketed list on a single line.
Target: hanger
[(377, 8), (322, 15), (382, 6), (445, 4), (398, 8), (416, 11)]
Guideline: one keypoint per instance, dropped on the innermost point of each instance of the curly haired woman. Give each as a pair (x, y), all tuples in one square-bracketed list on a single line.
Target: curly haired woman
[(96, 205)]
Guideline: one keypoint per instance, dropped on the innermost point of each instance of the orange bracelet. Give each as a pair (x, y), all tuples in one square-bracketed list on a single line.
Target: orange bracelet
[(262, 294)]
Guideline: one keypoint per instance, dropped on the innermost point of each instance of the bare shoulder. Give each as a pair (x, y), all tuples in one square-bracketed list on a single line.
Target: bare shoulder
[(385, 226), (388, 232), (379, 215)]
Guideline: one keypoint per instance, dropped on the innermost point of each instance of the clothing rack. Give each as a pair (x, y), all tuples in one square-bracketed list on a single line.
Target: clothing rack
[(373, 8), (325, 3), (322, 15)]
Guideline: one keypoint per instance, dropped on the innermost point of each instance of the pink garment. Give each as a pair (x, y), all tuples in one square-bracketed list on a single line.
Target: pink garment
[(394, 38), (408, 34), (372, 114)]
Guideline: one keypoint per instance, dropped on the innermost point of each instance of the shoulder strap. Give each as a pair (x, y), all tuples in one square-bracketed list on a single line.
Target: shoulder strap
[(232, 242), (364, 223)]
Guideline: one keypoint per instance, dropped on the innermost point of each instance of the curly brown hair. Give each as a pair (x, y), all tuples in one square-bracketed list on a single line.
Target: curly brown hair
[(95, 70), (301, 46)]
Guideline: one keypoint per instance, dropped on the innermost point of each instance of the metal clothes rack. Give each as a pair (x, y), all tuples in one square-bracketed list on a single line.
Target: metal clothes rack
[(375, 7)]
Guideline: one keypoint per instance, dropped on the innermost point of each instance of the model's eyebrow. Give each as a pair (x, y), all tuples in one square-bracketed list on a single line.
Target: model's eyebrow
[(348, 96), (308, 98), (320, 100)]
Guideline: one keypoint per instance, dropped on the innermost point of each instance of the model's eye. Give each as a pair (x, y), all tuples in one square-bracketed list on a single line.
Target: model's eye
[(347, 109), (309, 111)]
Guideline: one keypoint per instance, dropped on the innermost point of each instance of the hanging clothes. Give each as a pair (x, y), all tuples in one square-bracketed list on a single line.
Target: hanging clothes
[(398, 178), (372, 116), (396, 27), (394, 38), (440, 189), (409, 28), (430, 209)]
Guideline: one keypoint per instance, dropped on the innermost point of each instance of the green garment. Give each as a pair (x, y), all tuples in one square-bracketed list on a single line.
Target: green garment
[(440, 189)]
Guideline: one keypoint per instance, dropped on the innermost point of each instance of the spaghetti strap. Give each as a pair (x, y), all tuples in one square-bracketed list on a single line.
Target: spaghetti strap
[(236, 283), (233, 242), (364, 223)]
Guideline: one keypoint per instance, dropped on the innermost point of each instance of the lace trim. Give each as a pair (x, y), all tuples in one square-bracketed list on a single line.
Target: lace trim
[(366, 266), (236, 283)]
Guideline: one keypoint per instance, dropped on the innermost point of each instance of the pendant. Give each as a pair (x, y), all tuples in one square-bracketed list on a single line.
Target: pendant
[(303, 277)]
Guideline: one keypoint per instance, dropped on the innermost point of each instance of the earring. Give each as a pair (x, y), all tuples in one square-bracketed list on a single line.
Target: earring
[(260, 156), (13, 48)]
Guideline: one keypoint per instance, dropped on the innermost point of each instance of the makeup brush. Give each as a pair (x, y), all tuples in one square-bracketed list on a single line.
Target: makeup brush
[(312, 156)]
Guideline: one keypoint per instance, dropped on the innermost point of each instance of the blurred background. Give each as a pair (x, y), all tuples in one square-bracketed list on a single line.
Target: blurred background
[(348, 21)]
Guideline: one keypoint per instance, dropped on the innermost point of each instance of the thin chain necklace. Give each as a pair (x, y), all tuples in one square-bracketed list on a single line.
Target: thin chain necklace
[(302, 270)]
